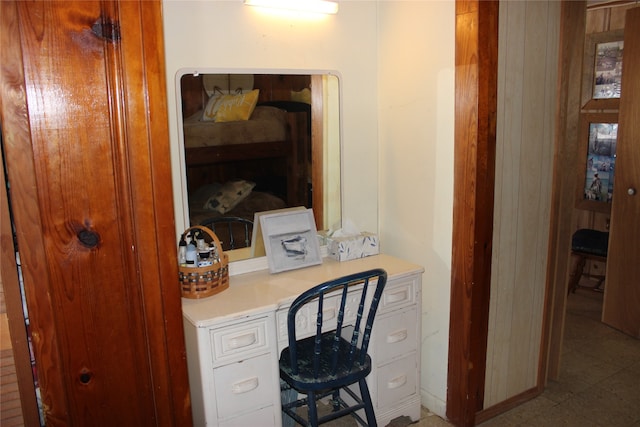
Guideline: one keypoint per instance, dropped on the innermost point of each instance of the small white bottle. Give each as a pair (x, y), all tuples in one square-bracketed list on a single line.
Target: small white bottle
[(182, 253), (191, 255), (202, 245)]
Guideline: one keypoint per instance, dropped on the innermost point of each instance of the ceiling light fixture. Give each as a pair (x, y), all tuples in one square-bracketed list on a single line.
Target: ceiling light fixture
[(314, 6)]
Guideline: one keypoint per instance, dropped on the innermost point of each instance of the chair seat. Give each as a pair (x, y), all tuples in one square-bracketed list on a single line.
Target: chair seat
[(327, 378), (591, 242)]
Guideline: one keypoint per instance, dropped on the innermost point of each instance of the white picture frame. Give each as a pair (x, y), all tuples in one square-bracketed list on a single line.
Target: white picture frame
[(257, 242), (290, 240)]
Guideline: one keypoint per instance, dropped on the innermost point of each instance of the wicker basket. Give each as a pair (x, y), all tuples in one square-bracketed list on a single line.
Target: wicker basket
[(202, 282)]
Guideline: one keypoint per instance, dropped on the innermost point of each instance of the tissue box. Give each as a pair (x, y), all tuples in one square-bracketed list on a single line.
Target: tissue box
[(353, 247)]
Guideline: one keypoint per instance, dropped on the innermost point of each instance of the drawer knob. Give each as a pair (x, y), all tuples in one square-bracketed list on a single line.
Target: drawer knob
[(242, 341), (397, 296), (245, 386), (397, 382), (397, 336), (328, 314)]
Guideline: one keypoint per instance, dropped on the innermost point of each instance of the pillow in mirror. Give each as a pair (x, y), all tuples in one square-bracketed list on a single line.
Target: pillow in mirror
[(201, 196), (303, 95), (230, 108), (229, 195)]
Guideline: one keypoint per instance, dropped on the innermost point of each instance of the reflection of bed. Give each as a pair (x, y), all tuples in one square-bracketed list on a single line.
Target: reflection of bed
[(271, 148), (244, 206), (263, 135), (257, 201), (262, 149)]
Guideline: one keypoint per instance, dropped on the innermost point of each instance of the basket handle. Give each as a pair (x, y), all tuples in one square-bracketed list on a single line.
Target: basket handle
[(208, 231)]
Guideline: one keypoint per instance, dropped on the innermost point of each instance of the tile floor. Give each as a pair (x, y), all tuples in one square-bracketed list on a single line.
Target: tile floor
[(599, 383)]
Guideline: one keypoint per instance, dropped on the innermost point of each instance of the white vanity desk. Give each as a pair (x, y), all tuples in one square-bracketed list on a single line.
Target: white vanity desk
[(233, 342)]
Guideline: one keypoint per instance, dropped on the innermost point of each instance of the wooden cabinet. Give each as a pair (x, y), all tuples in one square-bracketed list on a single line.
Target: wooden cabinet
[(85, 139), (234, 340)]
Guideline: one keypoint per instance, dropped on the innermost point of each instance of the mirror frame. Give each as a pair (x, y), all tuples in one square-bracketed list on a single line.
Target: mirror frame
[(257, 263)]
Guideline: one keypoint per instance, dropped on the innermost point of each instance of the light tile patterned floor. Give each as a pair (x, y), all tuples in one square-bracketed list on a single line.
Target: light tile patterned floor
[(599, 377), (599, 382)]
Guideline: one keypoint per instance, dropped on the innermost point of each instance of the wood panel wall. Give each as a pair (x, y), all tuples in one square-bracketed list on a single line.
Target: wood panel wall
[(527, 76)]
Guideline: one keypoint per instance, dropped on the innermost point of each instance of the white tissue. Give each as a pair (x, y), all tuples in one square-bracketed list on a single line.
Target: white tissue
[(349, 242), (349, 229)]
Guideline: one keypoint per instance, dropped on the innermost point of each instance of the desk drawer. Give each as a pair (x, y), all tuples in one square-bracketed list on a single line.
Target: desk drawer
[(395, 335), (263, 417), (397, 380), (306, 317), (239, 341), (398, 294), (244, 386)]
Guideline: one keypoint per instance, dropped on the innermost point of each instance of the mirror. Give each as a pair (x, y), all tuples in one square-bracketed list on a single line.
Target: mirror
[(257, 142)]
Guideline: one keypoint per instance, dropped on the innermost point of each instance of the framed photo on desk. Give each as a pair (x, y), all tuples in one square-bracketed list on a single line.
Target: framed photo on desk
[(290, 240)]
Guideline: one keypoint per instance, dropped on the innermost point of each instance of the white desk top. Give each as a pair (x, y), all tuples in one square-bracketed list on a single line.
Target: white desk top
[(257, 292)]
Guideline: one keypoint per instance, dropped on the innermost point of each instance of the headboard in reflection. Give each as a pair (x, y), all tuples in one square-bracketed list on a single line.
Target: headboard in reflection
[(256, 142)]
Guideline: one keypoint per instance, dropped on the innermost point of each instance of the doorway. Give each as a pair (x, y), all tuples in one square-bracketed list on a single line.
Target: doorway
[(578, 20)]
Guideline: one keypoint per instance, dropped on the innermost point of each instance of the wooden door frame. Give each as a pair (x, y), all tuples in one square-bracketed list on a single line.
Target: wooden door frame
[(476, 61), (149, 176), (472, 239), (572, 31), (15, 317), (8, 265)]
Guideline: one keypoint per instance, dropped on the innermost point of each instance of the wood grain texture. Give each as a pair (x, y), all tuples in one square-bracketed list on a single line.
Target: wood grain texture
[(17, 150), (563, 195), (11, 102), (622, 287), (474, 153), (317, 151), (91, 158)]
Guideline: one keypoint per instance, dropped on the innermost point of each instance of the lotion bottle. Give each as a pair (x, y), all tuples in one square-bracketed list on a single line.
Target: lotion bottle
[(182, 253), (191, 255)]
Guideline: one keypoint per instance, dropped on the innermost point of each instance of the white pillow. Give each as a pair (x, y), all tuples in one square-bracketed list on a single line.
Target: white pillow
[(228, 197)]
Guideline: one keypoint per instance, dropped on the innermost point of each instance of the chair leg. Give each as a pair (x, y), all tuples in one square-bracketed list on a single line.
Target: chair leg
[(335, 400), (313, 409), (287, 395), (368, 405), (576, 273)]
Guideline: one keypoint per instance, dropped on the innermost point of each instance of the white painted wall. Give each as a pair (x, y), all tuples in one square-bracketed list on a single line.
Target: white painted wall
[(230, 35), (396, 60), (415, 119)]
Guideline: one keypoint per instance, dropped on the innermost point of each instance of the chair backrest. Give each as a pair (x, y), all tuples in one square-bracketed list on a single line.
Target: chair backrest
[(356, 298), (232, 231)]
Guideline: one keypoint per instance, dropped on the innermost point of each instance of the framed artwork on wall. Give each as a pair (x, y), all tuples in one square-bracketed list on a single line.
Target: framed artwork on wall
[(597, 161), (602, 68)]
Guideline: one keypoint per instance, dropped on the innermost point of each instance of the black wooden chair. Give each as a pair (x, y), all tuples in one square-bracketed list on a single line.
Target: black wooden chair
[(588, 244), (232, 231), (335, 357)]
